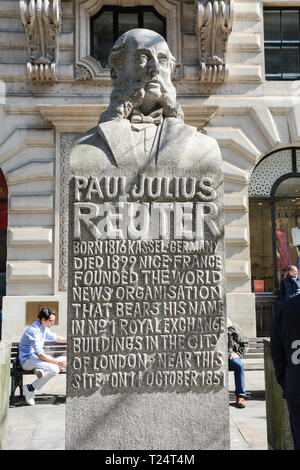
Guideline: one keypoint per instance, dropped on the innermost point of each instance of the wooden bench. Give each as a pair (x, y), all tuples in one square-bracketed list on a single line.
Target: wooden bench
[(254, 359), (52, 348)]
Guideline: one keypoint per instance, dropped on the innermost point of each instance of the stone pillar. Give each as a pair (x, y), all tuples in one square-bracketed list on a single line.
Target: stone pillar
[(278, 424)]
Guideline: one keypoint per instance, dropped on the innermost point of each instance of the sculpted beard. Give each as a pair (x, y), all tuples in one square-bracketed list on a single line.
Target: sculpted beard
[(123, 102)]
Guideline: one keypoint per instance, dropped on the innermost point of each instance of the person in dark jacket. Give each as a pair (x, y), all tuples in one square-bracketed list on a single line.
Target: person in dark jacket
[(290, 285), (237, 348), (285, 350)]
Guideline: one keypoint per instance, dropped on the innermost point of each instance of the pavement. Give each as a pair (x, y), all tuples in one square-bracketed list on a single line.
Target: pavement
[(248, 426), (42, 427)]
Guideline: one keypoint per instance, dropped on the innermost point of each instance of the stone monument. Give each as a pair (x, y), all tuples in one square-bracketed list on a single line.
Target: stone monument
[(147, 342)]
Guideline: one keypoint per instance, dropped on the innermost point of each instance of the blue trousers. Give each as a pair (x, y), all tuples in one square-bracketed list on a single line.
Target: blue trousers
[(237, 367)]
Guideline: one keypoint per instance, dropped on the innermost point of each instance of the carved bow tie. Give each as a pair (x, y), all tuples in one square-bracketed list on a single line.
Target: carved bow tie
[(154, 118)]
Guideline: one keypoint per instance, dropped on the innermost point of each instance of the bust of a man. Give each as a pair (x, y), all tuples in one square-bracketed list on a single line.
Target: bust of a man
[(143, 127)]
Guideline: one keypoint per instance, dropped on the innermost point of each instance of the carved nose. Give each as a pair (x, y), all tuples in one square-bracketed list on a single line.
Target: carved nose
[(153, 66)]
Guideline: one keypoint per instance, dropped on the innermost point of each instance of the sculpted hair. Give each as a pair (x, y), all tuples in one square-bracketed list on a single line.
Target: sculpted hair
[(126, 95)]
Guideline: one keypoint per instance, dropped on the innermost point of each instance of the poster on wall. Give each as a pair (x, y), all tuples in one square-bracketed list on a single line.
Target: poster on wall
[(259, 286)]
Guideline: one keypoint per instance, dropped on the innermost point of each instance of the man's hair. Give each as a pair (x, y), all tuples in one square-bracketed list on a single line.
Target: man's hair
[(291, 267), (127, 96), (45, 313)]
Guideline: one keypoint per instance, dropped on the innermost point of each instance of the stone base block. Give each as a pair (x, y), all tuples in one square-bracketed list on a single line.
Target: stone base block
[(146, 421)]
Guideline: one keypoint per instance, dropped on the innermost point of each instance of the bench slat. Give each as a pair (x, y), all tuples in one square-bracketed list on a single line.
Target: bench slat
[(258, 366)]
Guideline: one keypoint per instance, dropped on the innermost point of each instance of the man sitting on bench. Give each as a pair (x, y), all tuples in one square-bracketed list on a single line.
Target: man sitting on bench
[(32, 356)]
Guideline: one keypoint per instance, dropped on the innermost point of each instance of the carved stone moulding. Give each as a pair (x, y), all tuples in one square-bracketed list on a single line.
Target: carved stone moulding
[(213, 27), (41, 20), (82, 73), (213, 73), (41, 72)]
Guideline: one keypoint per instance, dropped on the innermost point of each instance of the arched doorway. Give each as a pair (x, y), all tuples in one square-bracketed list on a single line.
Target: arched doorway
[(3, 241), (274, 220)]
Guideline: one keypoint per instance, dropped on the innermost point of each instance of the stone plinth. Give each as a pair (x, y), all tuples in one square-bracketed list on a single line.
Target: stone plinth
[(278, 424)]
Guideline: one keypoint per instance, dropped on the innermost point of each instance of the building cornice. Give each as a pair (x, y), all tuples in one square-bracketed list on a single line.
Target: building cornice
[(80, 118)]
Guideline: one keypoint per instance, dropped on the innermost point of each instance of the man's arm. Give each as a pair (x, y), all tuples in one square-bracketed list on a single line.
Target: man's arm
[(47, 358), (241, 341), (61, 339)]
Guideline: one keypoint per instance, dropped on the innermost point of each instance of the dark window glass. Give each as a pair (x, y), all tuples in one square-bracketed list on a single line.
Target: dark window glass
[(290, 61), (153, 22), (103, 37), (127, 21), (290, 25), (272, 25), (273, 62), (112, 21), (289, 187), (282, 42)]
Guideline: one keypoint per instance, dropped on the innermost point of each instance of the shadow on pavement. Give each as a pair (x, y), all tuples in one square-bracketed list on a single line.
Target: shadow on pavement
[(42, 399)]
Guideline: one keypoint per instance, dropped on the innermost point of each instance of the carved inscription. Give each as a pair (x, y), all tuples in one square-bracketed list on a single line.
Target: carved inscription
[(146, 290)]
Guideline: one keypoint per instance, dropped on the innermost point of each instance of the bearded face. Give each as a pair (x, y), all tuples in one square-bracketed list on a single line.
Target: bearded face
[(141, 74)]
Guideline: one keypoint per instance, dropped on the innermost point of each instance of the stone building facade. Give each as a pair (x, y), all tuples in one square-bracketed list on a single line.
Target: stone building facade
[(51, 88)]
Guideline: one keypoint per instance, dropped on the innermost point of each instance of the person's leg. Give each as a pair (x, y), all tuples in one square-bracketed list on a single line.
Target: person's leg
[(50, 370), (237, 367)]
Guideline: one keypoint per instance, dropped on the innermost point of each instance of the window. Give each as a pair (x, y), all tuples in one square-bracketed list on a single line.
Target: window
[(274, 218), (282, 42), (112, 21)]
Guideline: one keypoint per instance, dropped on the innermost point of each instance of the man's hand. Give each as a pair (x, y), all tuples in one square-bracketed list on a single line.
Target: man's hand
[(47, 358), (61, 364), (234, 356)]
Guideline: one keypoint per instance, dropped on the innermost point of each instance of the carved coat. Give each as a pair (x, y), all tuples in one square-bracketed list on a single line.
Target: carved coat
[(110, 147)]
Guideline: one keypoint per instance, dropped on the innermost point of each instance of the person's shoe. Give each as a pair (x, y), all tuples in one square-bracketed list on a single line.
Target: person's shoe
[(39, 373), (240, 402), (29, 396)]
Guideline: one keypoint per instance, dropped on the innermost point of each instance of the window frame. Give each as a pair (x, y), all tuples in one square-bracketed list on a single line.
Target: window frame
[(282, 43)]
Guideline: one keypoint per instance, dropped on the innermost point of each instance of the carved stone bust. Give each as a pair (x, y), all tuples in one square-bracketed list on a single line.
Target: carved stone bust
[(146, 268), (143, 126)]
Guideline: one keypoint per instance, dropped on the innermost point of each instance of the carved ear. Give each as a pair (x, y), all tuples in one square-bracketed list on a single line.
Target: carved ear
[(113, 73)]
